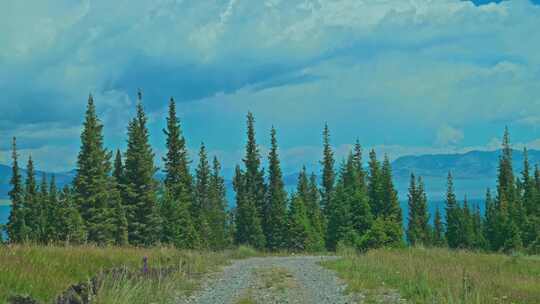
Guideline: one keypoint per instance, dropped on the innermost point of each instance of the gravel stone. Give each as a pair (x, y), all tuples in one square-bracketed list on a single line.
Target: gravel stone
[(314, 284)]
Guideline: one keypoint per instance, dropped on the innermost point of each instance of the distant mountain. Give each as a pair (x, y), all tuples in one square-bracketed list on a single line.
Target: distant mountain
[(62, 179)]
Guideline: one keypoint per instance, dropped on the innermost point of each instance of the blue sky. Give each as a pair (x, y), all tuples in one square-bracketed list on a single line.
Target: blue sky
[(405, 77)]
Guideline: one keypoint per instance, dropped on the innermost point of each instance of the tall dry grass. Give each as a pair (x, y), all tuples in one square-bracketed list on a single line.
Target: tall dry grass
[(442, 276)]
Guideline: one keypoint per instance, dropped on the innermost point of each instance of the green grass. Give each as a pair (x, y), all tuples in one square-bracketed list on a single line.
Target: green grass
[(44, 272), (442, 276)]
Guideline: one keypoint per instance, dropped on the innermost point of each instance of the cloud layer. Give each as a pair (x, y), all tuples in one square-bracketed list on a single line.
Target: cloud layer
[(412, 75)]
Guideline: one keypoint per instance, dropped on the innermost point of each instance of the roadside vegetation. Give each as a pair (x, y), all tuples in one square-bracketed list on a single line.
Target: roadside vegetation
[(45, 272), (440, 276)]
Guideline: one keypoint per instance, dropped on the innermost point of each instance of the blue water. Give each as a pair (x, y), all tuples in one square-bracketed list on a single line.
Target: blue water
[(4, 214)]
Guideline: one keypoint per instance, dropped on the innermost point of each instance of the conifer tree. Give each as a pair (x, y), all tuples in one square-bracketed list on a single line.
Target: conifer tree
[(32, 212), (328, 173), (43, 206), (250, 194), (51, 211), (276, 215), (254, 175), (17, 229), (299, 226), (478, 230), (375, 184), (141, 187), (92, 191), (466, 231), (71, 226), (418, 231), (178, 228), (202, 205), (118, 170), (453, 215), (248, 229), (340, 227), (218, 214), (308, 192), (439, 239)]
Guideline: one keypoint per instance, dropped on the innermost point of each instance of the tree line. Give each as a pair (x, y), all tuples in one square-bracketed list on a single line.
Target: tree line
[(118, 201)]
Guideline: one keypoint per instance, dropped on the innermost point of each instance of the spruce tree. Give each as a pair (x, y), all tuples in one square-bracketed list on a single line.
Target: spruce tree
[(32, 212), (254, 176), (141, 187), (51, 212), (308, 192), (467, 234), (453, 215), (418, 231), (250, 191), (248, 229), (299, 227), (276, 215), (202, 205), (178, 205), (218, 217), (439, 239), (71, 226), (92, 191), (118, 170), (43, 206), (375, 184), (17, 229), (328, 173)]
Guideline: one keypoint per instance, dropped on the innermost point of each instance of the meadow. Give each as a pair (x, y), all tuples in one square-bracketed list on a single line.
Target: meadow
[(441, 276), (45, 272)]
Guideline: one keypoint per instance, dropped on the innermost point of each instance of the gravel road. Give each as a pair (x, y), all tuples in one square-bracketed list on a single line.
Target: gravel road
[(302, 281)]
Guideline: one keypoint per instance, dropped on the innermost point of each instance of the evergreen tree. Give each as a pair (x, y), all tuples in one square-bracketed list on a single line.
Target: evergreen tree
[(466, 231), (217, 217), (71, 226), (118, 170), (375, 184), (92, 191), (478, 230), (418, 231), (453, 215), (178, 228), (328, 173), (247, 221), (439, 239), (308, 192), (141, 187), (254, 175), (202, 206), (299, 226), (51, 211), (43, 207), (250, 194), (32, 212), (340, 227), (276, 215), (17, 229)]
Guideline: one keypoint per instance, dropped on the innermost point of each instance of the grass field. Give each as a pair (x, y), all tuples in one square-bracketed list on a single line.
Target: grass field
[(45, 272), (441, 276)]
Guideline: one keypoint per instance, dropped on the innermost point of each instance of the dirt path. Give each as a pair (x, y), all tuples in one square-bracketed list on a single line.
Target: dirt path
[(273, 280)]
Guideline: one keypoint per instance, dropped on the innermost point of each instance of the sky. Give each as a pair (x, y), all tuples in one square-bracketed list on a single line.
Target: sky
[(403, 77)]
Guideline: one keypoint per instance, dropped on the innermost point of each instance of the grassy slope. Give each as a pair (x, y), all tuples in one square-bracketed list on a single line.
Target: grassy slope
[(442, 276), (45, 272)]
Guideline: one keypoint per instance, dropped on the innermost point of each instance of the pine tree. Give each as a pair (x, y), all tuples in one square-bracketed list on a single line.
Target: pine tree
[(375, 184), (247, 221), (439, 239), (328, 173), (452, 215), (141, 187), (250, 194), (276, 215), (299, 226), (51, 211), (178, 205), (71, 226), (178, 178), (32, 212), (254, 176), (17, 229), (478, 229), (418, 231), (43, 206), (118, 170), (202, 206), (217, 217), (92, 191), (467, 235), (308, 192), (340, 227)]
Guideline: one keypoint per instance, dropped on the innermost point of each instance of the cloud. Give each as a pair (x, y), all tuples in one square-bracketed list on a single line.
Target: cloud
[(391, 73)]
